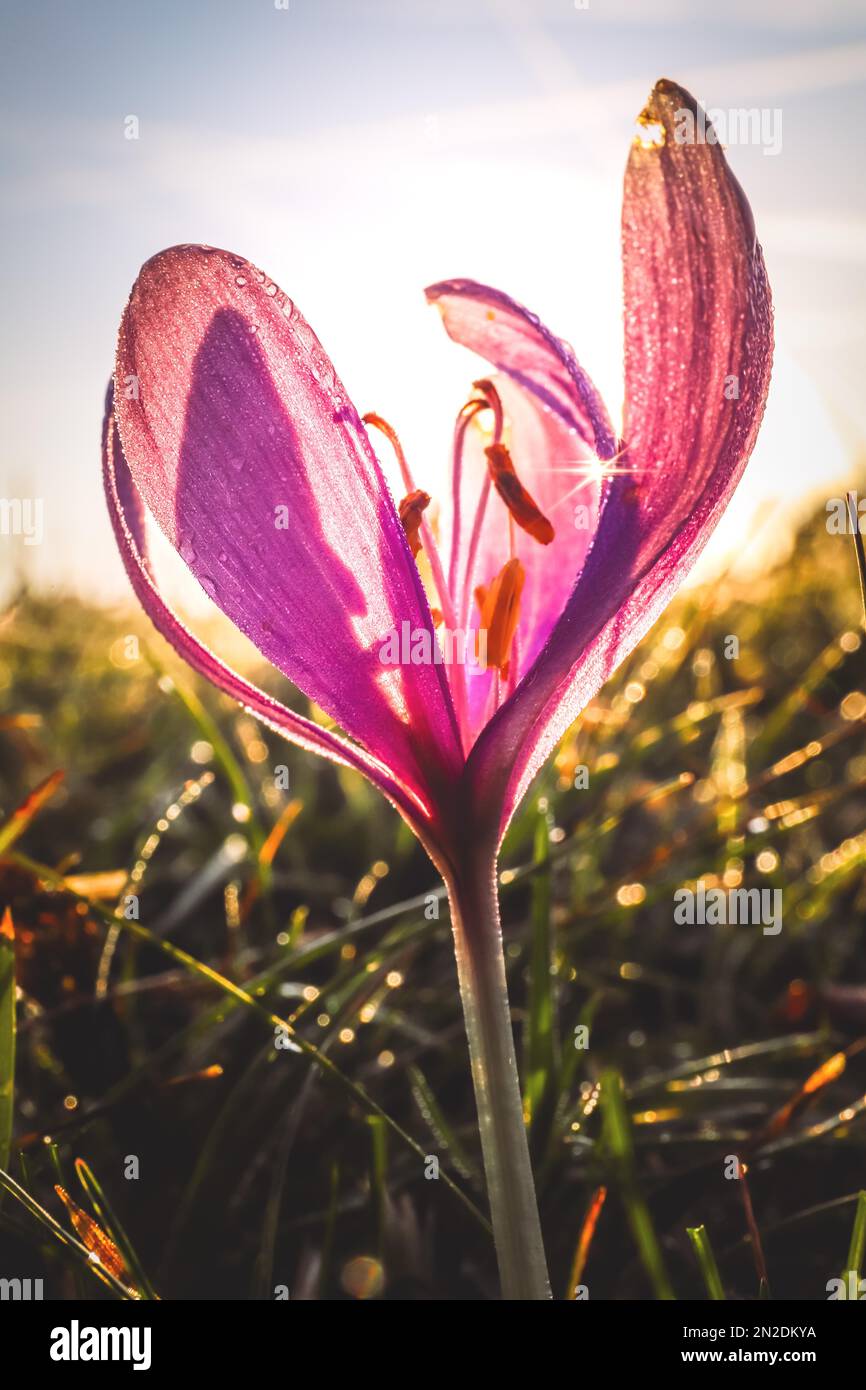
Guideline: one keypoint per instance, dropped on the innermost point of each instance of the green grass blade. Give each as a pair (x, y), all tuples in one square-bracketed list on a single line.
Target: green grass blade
[(235, 775), (857, 1248), (379, 1179), (443, 1133), (707, 1261), (243, 996), (619, 1152)]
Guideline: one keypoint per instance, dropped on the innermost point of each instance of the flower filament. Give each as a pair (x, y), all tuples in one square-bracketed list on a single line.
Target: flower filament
[(494, 646)]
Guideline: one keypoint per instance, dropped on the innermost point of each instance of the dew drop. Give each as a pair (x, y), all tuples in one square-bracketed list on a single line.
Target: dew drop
[(208, 585), (187, 551), (271, 290), (240, 279)]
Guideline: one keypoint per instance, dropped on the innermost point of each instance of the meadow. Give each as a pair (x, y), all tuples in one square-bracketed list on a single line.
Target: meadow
[(235, 1034)]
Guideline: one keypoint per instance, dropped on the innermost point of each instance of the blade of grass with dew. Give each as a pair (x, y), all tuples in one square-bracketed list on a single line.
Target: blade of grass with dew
[(800, 1044), (300, 1044), (260, 986), (240, 787), (857, 1248), (134, 880), (431, 1112), (619, 1152), (707, 1261)]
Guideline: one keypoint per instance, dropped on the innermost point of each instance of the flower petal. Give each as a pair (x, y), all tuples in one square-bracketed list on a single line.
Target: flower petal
[(698, 357), (558, 429), (245, 448), (127, 519)]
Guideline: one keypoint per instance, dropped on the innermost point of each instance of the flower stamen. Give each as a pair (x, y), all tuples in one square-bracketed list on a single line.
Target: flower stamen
[(492, 397), (520, 503), (427, 539), (411, 513), (420, 536), (499, 605)]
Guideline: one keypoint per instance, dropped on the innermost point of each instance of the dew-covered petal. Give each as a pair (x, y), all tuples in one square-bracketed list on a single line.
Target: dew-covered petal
[(557, 430), (254, 463), (128, 519), (698, 356)]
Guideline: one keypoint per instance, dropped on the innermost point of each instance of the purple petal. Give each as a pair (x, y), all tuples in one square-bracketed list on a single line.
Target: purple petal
[(254, 463), (558, 428), (698, 325), (127, 518)]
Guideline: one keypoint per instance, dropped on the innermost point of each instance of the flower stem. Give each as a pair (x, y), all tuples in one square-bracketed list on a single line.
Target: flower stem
[(483, 991)]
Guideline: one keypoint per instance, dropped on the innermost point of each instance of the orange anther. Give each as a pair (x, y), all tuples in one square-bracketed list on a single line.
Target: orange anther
[(411, 510), (519, 502), (499, 603)]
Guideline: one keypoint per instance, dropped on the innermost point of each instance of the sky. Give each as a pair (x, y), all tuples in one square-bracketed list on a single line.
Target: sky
[(358, 150)]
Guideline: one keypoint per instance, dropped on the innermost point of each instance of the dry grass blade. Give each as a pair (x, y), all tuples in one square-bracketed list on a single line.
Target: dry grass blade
[(584, 1243), (31, 806), (91, 1234)]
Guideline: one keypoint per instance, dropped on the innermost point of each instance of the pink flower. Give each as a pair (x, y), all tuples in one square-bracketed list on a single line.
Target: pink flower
[(558, 548)]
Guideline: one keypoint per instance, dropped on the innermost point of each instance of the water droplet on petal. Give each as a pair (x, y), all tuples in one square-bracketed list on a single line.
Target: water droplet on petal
[(240, 279), (187, 551), (208, 585)]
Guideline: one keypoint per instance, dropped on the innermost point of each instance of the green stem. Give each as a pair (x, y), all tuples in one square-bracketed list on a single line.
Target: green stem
[(483, 991)]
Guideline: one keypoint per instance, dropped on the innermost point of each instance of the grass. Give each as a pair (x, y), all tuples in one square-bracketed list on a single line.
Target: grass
[(239, 1046)]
